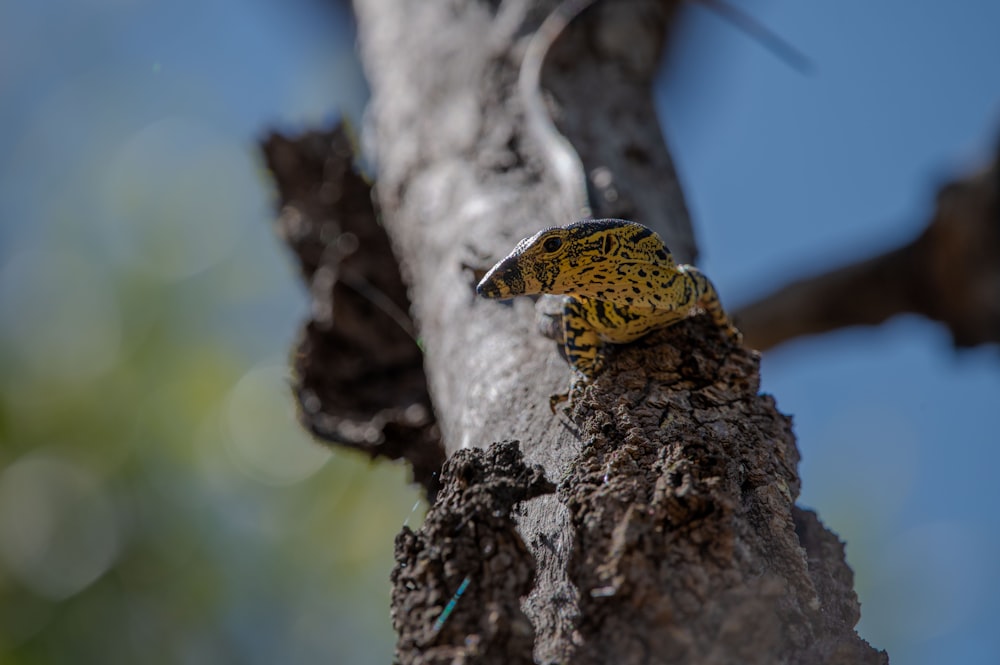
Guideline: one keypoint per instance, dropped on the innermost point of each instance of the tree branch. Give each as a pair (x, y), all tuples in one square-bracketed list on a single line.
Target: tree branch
[(950, 273)]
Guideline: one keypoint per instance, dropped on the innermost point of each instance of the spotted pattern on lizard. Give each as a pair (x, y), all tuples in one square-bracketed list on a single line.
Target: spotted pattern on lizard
[(619, 280)]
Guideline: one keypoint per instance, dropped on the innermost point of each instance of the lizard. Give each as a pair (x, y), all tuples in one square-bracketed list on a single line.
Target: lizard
[(619, 281)]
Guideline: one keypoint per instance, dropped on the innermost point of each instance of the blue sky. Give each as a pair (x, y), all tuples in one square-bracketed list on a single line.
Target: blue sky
[(786, 175)]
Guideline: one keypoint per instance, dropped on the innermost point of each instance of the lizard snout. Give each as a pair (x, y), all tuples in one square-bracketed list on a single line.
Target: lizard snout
[(487, 288), (503, 281)]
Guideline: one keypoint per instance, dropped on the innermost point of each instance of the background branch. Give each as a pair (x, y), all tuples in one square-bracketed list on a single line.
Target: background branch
[(949, 273)]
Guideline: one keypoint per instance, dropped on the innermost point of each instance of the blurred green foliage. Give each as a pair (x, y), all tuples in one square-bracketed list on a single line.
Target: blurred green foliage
[(158, 501)]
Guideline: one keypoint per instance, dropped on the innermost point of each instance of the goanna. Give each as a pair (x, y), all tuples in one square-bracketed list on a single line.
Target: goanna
[(620, 281)]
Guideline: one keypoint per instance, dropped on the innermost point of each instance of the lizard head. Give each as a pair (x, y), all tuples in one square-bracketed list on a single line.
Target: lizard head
[(579, 258)]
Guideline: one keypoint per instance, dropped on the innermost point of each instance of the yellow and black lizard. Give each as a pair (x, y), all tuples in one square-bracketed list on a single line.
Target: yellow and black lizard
[(619, 280)]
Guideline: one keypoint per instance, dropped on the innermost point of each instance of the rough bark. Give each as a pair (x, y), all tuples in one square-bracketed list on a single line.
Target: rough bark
[(469, 550), (673, 534)]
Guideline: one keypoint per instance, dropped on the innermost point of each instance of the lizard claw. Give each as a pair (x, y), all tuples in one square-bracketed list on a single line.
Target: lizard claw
[(575, 386), (557, 399)]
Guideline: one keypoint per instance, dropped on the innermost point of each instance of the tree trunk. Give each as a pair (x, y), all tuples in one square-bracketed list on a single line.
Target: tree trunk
[(653, 521)]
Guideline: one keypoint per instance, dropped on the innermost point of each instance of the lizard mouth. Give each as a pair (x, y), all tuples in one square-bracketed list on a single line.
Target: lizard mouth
[(487, 289), (503, 281)]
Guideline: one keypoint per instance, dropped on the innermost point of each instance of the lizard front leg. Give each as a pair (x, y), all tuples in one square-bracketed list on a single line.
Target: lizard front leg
[(706, 297), (582, 346)]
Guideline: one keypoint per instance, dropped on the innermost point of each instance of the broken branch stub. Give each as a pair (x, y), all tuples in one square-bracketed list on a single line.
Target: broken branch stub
[(358, 372)]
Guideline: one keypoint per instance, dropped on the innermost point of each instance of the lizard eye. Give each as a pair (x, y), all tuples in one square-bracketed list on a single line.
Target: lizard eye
[(552, 244)]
